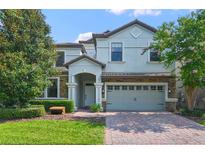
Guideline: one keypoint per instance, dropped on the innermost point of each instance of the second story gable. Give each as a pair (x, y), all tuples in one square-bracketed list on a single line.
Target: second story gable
[(121, 50)]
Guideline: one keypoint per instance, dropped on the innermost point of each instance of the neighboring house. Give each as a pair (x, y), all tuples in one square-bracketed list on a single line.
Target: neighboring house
[(112, 68)]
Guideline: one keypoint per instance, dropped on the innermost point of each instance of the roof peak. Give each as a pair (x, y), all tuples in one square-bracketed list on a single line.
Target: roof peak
[(136, 21)]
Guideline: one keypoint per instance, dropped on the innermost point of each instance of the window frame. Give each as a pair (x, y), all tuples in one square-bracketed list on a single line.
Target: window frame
[(58, 89), (111, 51), (64, 57), (149, 57)]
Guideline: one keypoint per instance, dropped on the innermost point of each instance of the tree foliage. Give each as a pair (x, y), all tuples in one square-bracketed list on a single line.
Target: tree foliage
[(27, 56), (184, 42)]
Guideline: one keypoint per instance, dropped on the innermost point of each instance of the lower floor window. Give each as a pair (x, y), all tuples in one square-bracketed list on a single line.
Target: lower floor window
[(52, 91)]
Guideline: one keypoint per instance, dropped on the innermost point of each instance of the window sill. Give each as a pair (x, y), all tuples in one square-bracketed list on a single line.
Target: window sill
[(50, 98), (117, 62), (154, 62)]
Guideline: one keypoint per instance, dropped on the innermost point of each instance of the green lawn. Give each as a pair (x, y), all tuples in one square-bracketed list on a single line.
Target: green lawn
[(202, 122), (51, 132)]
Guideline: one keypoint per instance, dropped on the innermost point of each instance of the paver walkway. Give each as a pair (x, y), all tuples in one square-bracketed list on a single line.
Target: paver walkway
[(152, 128)]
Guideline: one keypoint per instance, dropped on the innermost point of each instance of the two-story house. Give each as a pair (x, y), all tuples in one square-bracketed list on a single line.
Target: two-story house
[(112, 67)]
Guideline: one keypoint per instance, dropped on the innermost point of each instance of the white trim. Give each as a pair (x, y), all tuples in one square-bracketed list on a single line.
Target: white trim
[(172, 100), (138, 83), (132, 31)]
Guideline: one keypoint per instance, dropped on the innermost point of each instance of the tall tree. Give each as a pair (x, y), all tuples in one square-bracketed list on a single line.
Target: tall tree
[(27, 56), (184, 42)]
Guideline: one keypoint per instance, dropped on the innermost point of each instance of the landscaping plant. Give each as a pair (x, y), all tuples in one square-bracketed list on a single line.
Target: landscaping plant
[(184, 42), (19, 113), (68, 104), (96, 108), (27, 56)]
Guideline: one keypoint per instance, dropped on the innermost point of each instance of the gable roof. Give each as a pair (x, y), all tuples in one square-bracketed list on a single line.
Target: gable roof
[(105, 35), (82, 57), (91, 40), (71, 45)]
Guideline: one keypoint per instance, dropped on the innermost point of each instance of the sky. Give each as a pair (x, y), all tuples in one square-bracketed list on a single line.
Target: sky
[(73, 25)]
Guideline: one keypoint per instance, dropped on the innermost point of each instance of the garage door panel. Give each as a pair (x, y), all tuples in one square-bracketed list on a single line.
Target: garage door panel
[(135, 100)]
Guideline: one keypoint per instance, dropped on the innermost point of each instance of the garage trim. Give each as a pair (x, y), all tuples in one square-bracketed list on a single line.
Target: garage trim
[(138, 83)]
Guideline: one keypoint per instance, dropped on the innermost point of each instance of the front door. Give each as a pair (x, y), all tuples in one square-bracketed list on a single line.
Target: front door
[(89, 96)]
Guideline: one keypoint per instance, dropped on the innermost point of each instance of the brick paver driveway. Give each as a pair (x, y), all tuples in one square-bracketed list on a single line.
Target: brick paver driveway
[(152, 128)]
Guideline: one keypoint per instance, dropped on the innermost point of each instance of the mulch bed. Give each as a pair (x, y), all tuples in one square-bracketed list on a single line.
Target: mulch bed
[(100, 120)]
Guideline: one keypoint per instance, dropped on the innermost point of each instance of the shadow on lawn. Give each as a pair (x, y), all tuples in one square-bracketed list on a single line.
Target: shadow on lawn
[(92, 120), (156, 122)]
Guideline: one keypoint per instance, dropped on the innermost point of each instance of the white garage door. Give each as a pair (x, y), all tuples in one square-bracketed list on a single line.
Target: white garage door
[(135, 98)]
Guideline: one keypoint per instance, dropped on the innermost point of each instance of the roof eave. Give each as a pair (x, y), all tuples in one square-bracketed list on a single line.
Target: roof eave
[(81, 57), (106, 35)]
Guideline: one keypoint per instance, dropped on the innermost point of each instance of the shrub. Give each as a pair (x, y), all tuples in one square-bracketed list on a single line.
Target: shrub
[(71, 106), (193, 113), (18, 113), (202, 122), (96, 108), (68, 104)]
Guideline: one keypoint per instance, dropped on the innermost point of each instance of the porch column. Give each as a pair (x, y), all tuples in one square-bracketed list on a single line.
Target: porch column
[(71, 92), (98, 92)]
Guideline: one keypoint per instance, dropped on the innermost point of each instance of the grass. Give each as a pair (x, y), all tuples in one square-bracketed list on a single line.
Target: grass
[(202, 122), (51, 132)]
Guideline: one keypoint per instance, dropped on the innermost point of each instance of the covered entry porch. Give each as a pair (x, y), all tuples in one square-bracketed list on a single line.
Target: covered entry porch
[(85, 86), (88, 92)]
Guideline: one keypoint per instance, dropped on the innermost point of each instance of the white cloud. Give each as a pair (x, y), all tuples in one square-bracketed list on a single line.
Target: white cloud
[(117, 11), (140, 12), (84, 36)]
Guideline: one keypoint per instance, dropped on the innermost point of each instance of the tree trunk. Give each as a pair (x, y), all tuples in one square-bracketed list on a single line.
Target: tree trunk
[(191, 95)]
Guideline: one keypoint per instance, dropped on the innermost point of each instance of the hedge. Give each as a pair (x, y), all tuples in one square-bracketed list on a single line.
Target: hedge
[(69, 104), (194, 113), (19, 113)]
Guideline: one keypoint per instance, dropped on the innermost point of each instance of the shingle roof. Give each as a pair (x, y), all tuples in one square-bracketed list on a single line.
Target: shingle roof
[(84, 56), (87, 41), (109, 33), (71, 45)]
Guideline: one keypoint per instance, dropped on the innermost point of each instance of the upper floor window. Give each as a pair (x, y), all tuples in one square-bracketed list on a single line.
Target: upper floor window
[(154, 56), (116, 51), (60, 58)]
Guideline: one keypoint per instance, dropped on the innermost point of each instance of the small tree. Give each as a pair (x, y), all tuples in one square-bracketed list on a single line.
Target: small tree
[(184, 42), (26, 56)]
